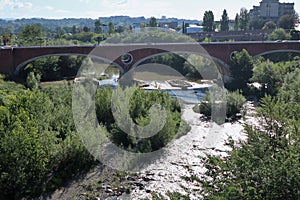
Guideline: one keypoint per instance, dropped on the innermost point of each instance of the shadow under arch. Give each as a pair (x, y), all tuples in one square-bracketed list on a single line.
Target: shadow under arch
[(222, 67), (277, 51), (23, 64)]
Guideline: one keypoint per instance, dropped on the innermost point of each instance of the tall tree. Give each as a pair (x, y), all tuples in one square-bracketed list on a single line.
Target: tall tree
[(287, 22), (225, 21), (6, 38), (86, 29), (30, 33), (98, 26), (74, 29), (236, 22), (241, 69), (111, 28), (153, 22), (269, 26), (244, 19), (208, 21)]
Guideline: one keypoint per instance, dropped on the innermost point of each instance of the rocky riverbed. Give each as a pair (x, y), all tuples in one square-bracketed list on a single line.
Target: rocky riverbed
[(176, 171)]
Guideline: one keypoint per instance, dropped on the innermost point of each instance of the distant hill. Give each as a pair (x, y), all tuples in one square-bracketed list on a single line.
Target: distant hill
[(15, 25)]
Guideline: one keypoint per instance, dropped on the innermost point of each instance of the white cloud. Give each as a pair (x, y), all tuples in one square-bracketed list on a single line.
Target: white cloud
[(49, 8), (122, 2), (85, 1), (14, 4)]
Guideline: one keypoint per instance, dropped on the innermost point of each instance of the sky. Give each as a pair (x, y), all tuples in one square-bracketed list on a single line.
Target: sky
[(181, 9)]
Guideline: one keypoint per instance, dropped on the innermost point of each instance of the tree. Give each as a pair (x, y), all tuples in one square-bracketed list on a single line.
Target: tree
[(6, 38), (86, 29), (286, 22), (98, 27), (256, 24), (236, 22), (30, 33), (265, 166), (225, 21), (32, 81), (290, 91), (295, 35), (269, 26), (279, 34), (111, 28), (244, 19), (208, 21), (153, 22), (241, 69), (74, 29), (268, 74), (60, 32)]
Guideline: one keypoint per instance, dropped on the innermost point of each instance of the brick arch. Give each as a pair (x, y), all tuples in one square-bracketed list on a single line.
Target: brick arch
[(277, 51), (24, 63), (222, 67), (12, 57)]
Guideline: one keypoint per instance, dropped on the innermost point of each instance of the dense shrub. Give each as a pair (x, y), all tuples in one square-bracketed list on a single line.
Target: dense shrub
[(39, 147), (234, 104), (266, 166), (127, 117)]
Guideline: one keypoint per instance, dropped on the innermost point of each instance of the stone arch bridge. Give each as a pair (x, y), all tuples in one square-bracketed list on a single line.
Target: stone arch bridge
[(126, 56)]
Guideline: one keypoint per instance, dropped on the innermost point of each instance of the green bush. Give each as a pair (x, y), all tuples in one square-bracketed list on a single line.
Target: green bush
[(266, 166), (129, 117), (39, 147), (234, 104)]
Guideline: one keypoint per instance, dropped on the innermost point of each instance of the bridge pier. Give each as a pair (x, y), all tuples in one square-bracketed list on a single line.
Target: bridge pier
[(7, 61)]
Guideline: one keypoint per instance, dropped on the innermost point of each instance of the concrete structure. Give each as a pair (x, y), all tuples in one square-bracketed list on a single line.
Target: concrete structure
[(164, 24), (128, 56), (271, 10)]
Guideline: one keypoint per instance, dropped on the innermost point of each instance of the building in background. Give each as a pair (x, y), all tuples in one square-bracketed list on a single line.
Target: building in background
[(164, 24), (271, 10)]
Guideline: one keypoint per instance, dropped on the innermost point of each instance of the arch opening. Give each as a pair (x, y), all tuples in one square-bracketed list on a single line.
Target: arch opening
[(279, 55), (188, 63), (54, 67)]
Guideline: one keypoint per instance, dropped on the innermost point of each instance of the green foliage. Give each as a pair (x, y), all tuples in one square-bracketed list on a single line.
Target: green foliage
[(150, 35), (32, 81), (266, 166), (234, 104), (241, 70), (276, 77), (269, 26), (290, 90), (111, 28), (295, 34), (257, 24), (279, 34), (236, 22), (152, 22), (287, 22), (123, 129), (225, 21), (268, 74), (244, 19), (208, 21), (98, 27), (198, 67), (30, 35), (39, 147), (51, 68)]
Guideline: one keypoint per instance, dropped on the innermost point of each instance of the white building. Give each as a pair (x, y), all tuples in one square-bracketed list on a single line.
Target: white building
[(271, 10)]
